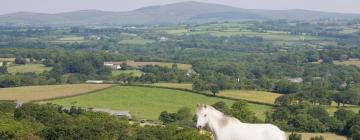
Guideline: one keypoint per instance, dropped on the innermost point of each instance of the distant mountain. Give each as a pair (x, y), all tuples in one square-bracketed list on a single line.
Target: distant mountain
[(166, 14)]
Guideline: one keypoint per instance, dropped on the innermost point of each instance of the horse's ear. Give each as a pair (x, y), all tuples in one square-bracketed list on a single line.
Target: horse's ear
[(205, 106)]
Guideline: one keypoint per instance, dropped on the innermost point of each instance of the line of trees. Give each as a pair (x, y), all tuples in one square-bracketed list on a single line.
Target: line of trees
[(52, 122)]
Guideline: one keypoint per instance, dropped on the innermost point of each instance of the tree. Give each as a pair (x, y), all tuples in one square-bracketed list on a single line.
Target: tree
[(124, 66), (294, 136), (3, 69), (49, 62), (214, 89), (241, 111), (355, 132), (184, 113), (339, 98), (285, 100), (166, 118), (20, 60), (222, 107), (344, 115), (317, 138)]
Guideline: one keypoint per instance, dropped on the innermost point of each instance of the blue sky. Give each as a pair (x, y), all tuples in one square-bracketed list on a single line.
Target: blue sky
[(56, 6)]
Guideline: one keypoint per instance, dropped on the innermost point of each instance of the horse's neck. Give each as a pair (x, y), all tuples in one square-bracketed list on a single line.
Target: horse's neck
[(214, 119)]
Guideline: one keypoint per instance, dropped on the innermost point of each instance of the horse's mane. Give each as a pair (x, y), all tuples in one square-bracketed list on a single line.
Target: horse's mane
[(215, 111)]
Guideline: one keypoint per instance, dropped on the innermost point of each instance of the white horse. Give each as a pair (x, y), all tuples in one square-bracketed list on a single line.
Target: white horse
[(229, 128)]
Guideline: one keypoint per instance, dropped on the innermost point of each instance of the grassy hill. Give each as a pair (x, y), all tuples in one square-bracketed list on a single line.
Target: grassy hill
[(145, 102), (166, 14)]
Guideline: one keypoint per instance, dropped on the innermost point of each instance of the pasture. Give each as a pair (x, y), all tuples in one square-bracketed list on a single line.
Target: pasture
[(348, 63), (7, 59), (37, 68), (135, 73), (136, 41), (327, 136), (333, 109), (163, 64), (34, 93), (231, 29), (147, 103), (174, 85), (251, 95), (70, 39)]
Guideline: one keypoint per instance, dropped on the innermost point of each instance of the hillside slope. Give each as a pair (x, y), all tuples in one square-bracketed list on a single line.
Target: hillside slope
[(166, 14)]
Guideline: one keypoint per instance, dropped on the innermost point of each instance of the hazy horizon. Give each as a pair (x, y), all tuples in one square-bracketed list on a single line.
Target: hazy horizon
[(48, 6)]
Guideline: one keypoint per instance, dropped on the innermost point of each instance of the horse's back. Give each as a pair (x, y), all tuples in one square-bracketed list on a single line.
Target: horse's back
[(261, 132)]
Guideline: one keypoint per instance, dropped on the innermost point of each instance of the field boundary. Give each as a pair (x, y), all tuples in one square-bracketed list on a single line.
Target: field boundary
[(85, 93), (201, 93)]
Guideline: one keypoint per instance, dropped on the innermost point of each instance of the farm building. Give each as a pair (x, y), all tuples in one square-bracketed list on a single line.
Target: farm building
[(120, 113), (113, 65), (295, 80), (94, 81), (162, 39), (19, 103)]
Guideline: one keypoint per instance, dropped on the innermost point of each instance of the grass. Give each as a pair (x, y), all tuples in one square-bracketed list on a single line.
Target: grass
[(163, 64), (356, 63), (270, 36), (147, 103), (70, 39), (327, 136), (348, 30), (251, 95), (32, 93), (135, 73), (137, 41), (333, 109), (174, 85), (37, 68), (237, 29), (7, 59)]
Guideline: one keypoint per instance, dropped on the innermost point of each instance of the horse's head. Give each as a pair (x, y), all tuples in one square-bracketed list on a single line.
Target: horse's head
[(202, 116)]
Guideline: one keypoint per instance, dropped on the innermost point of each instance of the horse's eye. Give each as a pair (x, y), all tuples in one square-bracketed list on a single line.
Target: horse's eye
[(205, 115)]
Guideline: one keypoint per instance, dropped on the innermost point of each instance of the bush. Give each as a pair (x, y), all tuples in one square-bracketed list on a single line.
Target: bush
[(20, 60), (222, 107), (317, 138), (294, 136), (241, 111)]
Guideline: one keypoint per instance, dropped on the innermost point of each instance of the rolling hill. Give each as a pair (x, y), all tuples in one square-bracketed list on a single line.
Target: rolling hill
[(191, 12)]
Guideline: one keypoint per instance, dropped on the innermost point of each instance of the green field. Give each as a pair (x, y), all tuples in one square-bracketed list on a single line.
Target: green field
[(230, 29), (37, 68), (174, 85), (251, 95), (135, 73), (355, 63), (327, 136), (138, 64), (333, 109), (147, 103), (136, 41), (35, 93), (70, 39)]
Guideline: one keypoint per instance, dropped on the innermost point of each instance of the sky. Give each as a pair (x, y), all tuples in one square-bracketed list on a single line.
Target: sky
[(56, 6)]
